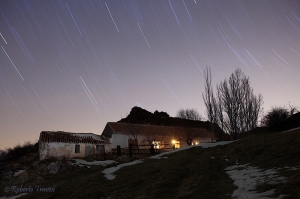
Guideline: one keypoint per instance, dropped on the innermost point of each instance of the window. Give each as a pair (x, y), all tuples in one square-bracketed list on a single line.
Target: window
[(77, 148), (176, 144), (157, 144)]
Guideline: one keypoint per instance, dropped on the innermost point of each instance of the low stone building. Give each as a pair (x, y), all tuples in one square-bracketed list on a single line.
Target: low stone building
[(73, 145)]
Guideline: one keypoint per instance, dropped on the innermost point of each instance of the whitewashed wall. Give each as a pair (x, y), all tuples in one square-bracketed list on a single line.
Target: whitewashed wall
[(107, 148), (59, 150), (119, 139), (122, 140)]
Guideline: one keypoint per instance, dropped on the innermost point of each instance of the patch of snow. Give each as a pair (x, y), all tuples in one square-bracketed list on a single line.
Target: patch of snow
[(19, 172), (291, 130), (291, 168), (212, 157), (226, 159), (170, 152), (208, 145), (104, 163), (109, 171), (246, 178), (203, 145)]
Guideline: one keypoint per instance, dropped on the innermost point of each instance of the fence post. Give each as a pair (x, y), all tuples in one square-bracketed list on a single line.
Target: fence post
[(118, 150), (130, 150), (152, 149)]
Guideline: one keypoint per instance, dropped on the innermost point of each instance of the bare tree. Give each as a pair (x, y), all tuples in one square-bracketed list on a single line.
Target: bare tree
[(236, 109), (293, 109), (191, 134), (150, 138), (134, 130), (209, 99), (189, 114), (214, 107), (278, 114)]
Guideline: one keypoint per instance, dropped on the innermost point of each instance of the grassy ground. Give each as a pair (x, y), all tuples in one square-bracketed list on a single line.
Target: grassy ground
[(192, 173)]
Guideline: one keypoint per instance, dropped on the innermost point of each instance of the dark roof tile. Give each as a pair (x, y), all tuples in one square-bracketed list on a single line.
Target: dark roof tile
[(67, 137), (126, 129)]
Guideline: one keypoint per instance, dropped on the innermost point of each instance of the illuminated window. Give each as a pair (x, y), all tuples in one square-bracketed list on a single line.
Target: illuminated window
[(157, 144), (176, 144)]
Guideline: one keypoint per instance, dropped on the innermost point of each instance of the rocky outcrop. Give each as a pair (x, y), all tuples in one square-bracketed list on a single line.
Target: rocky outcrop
[(161, 114), (57, 167), (11, 170), (7, 175)]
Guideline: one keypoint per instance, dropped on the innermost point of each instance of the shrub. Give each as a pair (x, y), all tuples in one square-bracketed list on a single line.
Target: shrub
[(277, 114), (15, 153)]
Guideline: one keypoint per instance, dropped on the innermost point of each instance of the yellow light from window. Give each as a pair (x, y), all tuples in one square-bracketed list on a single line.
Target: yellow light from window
[(173, 141)]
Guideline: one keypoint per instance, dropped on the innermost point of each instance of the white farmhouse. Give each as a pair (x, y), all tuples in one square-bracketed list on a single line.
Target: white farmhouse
[(73, 145), (124, 134)]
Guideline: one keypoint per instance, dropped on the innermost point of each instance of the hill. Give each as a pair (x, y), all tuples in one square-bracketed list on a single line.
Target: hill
[(193, 173)]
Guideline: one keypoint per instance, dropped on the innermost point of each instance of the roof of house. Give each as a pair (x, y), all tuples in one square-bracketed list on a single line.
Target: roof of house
[(67, 137), (127, 129)]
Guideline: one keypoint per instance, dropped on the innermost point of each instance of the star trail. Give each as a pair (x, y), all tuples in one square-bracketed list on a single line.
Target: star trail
[(73, 66)]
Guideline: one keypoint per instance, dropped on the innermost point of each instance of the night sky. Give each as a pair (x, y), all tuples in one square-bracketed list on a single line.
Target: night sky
[(76, 65)]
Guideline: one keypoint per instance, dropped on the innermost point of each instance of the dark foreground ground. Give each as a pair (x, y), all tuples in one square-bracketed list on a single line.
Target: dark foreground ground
[(191, 173)]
